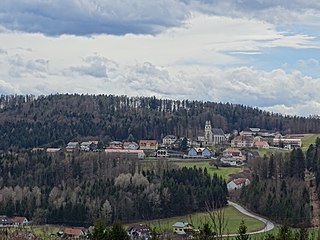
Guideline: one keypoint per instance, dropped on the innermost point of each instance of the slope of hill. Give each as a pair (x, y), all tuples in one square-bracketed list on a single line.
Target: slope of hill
[(28, 121)]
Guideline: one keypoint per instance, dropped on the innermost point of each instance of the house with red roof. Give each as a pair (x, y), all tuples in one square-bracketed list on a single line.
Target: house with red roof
[(19, 221), (74, 233), (232, 152), (262, 144), (237, 183), (148, 145)]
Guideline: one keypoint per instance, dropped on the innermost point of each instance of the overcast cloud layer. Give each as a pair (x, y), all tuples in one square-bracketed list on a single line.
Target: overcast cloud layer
[(260, 53)]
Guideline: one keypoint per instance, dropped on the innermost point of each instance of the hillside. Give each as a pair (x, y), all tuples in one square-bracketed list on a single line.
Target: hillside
[(28, 121)]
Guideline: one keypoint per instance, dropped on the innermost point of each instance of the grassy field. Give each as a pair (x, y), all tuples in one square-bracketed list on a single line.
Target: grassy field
[(308, 139), (233, 218), (268, 152), (224, 172)]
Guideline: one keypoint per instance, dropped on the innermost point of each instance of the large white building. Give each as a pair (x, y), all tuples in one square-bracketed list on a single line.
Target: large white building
[(213, 135)]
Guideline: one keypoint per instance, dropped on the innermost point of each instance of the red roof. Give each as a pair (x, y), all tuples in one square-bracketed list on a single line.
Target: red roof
[(234, 150), (73, 231), (260, 143), (148, 141), (240, 181), (18, 219)]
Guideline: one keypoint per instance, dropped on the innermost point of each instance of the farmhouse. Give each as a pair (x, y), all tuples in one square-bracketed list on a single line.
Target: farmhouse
[(125, 153), (182, 228), (19, 221), (74, 232), (232, 152), (237, 183)]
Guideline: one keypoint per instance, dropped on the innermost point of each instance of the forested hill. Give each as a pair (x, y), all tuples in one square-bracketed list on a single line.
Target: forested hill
[(28, 121)]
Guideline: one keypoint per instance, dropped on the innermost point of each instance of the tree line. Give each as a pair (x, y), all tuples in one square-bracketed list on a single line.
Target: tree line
[(77, 189), (53, 120)]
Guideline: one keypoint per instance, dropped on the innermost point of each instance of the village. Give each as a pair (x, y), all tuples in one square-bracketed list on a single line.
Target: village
[(226, 149)]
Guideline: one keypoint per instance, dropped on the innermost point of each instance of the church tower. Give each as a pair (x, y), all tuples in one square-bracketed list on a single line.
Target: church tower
[(208, 133)]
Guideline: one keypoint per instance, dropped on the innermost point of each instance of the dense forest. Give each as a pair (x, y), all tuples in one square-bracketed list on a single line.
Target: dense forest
[(29, 121), (278, 189), (77, 190)]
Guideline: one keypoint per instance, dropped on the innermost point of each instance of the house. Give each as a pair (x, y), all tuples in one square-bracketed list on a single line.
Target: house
[(139, 231), (89, 146), (72, 147), (182, 228), (213, 135), (287, 143), (232, 152), (253, 131), (34, 150), (130, 145), (237, 183), (242, 141), (229, 161), (4, 221), (74, 232), (199, 152), (19, 221), (148, 145), (116, 145), (125, 153), (169, 140), (53, 150), (262, 144)]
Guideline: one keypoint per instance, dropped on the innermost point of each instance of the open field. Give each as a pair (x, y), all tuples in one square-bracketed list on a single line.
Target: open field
[(233, 218), (45, 232), (222, 171), (308, 139), (268, 152)]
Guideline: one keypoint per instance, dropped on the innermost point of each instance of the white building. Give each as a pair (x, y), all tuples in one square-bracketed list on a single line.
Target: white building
[(237, 183), (169, 139)]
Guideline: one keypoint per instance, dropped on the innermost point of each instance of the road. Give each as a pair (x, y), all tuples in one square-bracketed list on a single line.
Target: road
[(268, 224)]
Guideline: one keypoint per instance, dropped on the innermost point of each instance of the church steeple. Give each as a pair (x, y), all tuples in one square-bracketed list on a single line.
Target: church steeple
[(208, 132)]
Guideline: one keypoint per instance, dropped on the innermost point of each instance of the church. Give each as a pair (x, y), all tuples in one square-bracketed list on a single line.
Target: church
[(213, 136)]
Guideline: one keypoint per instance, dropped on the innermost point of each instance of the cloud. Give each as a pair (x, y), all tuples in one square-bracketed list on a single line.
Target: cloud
[(7, 88), (84, 17), (90, 17), (95, 66), (273, 11), (3, 52), (244, 85), (21, 67)]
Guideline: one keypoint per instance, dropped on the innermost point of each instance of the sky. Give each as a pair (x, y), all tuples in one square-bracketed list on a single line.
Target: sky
[(261, 53)]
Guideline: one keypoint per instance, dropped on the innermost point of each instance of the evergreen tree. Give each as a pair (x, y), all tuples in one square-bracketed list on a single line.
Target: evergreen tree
[(118, 232), (242, 232)]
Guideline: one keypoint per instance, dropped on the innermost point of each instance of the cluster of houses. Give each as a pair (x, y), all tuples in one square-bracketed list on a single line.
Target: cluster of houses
[(261, 138), (170, 146), (16, 221)]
